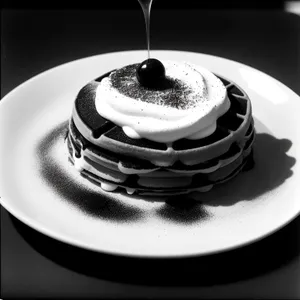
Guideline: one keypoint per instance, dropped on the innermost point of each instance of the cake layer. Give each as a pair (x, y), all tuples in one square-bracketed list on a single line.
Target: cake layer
[(131, 165), (162, 179), (169, 191)]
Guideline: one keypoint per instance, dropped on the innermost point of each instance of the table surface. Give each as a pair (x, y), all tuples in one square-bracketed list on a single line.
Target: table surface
[(34, 265)]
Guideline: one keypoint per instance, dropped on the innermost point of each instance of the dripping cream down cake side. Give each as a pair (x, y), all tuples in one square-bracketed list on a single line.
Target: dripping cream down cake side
[(160, 129)]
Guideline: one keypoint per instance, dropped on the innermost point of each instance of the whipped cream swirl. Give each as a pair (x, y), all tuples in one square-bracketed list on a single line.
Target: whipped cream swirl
[(165, 116)]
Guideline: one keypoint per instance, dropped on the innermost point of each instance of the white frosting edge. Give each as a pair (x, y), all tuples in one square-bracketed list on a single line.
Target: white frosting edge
[(161, 123)]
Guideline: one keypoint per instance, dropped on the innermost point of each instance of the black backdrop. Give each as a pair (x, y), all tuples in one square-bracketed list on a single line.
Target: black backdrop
[(159, 4)]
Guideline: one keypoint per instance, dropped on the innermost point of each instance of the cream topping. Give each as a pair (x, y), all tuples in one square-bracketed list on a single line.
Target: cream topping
[(191, 112)]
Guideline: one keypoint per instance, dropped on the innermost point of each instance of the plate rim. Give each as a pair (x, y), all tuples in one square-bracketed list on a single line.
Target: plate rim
[(31, 222), (82, 59)]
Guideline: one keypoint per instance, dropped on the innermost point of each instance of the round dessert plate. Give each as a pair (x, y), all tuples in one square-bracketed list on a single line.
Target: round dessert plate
[(40, 187)]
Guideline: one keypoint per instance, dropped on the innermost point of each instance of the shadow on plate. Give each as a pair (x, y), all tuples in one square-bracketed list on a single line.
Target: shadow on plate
[(239, 264), (272, 168), (85, 199)]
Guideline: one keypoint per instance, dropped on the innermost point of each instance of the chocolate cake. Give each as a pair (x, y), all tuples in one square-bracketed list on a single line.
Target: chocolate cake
[(190, 156)]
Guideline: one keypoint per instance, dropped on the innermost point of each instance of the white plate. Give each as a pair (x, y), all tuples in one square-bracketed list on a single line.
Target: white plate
[(39, 186)]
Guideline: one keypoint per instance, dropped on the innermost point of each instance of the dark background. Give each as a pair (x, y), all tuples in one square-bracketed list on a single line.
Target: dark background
[(159, 4), (38, 36), (34, 39)]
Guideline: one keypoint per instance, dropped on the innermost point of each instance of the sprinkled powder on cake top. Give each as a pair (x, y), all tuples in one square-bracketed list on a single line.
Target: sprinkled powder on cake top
[(171, 92)]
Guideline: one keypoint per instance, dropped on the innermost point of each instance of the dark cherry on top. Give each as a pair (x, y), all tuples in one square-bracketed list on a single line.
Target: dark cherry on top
[(151, 73)]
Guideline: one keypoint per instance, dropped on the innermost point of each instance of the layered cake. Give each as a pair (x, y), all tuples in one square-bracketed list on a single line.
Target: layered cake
[(160, 129)]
